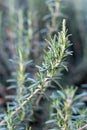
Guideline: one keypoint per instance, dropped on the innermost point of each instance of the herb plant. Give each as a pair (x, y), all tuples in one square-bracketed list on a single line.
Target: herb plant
[(65, 108)]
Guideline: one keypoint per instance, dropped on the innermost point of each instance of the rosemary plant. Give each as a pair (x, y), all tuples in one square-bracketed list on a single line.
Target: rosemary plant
[(64, 102), (67, 110), (53, 59)]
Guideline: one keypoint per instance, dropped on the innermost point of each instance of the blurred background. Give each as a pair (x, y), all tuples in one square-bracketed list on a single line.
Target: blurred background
[(30, 22)]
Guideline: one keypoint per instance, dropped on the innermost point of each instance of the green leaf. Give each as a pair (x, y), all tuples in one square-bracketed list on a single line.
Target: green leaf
[(61, 94), (80, 96), (50, 121)]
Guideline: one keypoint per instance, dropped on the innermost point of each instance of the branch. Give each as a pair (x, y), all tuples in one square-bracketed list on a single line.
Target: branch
[(82, 128), (27, 100)]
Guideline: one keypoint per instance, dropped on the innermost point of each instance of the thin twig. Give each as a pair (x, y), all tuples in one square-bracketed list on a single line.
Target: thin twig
[(16, 111), (82, 128)]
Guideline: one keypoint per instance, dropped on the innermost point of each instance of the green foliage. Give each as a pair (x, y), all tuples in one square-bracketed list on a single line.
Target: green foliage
[(25, 95), (67, 109), (65, 103)]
